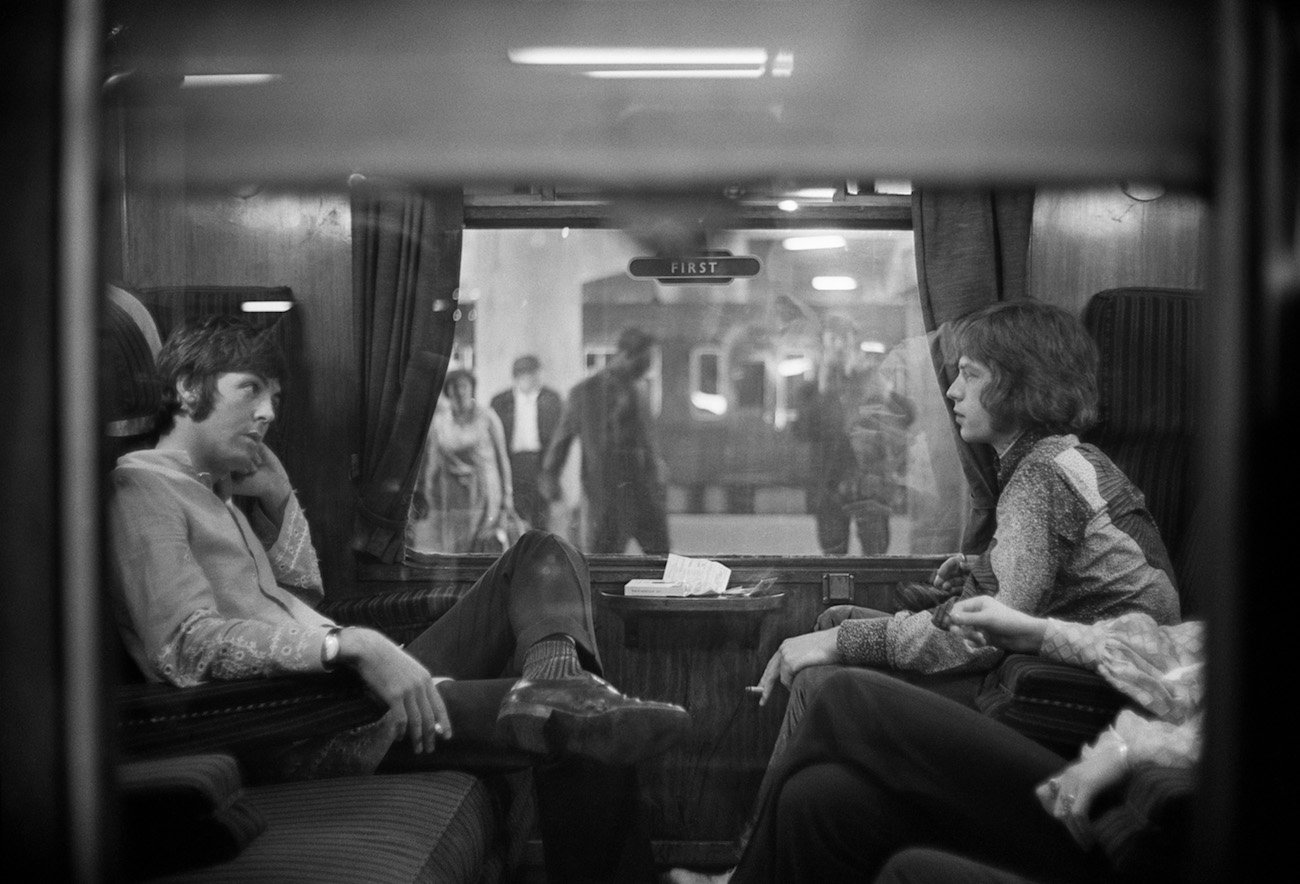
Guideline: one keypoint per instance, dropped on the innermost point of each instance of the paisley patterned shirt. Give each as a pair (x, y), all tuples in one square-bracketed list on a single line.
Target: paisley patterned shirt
[(1161, 667), (1074, 540), (199, 592)]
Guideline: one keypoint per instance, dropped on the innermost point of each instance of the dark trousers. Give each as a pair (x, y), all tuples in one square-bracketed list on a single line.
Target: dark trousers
[(632, 509), (879, 765), (591, 820), (961, 687), (918, 865), (833, 515), (525, 466)]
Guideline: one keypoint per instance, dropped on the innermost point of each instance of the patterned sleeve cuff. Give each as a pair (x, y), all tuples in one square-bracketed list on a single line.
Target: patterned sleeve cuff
[(293, 558), (1074, 643), (862, 642)]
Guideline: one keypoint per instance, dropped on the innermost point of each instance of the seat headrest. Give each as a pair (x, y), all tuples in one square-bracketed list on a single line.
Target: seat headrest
[(129, 346), (1148, 338)]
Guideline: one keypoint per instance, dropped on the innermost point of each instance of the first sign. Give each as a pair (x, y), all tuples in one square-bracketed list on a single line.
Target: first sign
[(695, 268)]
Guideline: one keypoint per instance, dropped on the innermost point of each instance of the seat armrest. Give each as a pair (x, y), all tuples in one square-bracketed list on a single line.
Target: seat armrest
[(1055, 704), (239, 716), (183, 812), (400, 615)]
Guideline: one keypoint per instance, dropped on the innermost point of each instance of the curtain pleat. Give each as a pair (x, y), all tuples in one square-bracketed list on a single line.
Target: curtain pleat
[(972, 249), (406, 248)]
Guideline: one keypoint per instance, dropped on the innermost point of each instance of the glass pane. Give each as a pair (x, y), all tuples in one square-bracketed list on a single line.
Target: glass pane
[(794, 412)]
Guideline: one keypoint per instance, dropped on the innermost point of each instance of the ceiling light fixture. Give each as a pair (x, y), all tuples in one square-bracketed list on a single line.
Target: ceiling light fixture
[(834, 283), (814, 193), (266, 306), (677, 73), (788, 206), (816, 241), (593, 56), (191, 81)]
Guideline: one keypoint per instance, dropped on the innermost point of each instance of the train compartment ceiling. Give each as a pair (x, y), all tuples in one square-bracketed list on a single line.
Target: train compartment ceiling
[(634, 93)]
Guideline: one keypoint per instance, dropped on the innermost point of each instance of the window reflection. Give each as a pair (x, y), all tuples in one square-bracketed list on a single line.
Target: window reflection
[(791, 416)]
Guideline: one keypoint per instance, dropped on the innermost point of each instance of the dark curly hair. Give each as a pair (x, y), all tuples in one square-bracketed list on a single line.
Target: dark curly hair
[(1043, 364), (203, 349)]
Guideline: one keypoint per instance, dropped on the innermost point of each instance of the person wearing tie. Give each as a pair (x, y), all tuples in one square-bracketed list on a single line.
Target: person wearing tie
[(529, 413)]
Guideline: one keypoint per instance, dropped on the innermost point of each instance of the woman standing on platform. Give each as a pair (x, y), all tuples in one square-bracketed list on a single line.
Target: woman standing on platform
[(464, 488)]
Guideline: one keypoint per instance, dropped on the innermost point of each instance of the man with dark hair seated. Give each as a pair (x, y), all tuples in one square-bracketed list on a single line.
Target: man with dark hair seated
[(205, 591)]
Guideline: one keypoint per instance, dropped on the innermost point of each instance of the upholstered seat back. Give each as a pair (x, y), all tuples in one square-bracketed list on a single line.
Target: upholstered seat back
[(1149, 342), (129, 387), (129, 345)]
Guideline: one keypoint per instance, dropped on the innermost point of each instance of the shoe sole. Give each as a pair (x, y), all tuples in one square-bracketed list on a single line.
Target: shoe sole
[(617, 736)]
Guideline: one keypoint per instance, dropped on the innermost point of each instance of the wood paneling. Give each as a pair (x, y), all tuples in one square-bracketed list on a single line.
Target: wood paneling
[(703, 790), (1086, 241), (248, 235)]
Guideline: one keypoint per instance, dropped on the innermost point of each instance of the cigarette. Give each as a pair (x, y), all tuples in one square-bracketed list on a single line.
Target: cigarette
[(753, 689)]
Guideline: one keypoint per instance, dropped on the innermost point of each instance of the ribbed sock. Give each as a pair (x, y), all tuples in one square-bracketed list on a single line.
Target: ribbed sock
[(555, 656)]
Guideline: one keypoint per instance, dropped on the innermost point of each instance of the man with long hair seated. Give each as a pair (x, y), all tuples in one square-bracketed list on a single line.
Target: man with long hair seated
[(1074, 539)]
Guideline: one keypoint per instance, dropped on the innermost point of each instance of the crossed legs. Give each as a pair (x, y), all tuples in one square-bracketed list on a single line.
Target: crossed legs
[(879, 765), (591, 820)]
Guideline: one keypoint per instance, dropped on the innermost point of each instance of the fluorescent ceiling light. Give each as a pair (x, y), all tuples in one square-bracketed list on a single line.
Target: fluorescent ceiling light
[(677, 73), (266, 306), (190, 81), (886, 185), (834, 283), (788, 206), (818, 241), (627, 55), (872, 347), (814, 193)]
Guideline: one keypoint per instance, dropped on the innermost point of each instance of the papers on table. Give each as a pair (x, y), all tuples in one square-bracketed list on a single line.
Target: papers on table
[(685, 576)]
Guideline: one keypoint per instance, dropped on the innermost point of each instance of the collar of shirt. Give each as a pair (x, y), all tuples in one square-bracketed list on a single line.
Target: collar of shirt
[(1012, 457), (176, 458)]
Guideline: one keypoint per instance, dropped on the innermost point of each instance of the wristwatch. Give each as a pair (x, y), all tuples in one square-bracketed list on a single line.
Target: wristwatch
[(329, 649)]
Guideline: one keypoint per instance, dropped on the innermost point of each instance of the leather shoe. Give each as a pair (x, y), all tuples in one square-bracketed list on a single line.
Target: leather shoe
[(588, 716)]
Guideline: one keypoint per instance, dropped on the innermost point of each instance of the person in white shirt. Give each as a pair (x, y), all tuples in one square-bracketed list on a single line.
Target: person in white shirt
[(529, 413)]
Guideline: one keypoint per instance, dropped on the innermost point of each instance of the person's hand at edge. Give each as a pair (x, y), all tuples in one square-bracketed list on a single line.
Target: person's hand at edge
[(401, 682), (795, 653), (951, 575), (983, 620), (1069, 795)]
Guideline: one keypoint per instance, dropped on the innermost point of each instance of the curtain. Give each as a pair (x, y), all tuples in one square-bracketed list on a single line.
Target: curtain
[(406, 247), (972, 249)]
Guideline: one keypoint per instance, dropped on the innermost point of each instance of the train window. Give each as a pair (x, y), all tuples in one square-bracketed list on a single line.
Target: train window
[(759, 395), (706, 383)]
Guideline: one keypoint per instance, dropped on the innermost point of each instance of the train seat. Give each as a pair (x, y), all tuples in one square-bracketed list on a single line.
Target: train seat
[(192, 809), (1147, 340), (192, 818)]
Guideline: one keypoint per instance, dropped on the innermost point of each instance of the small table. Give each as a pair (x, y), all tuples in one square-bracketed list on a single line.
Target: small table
[(707, 619)]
